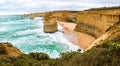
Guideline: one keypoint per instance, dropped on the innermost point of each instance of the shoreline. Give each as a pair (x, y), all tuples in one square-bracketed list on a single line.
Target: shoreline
[(77, 38)]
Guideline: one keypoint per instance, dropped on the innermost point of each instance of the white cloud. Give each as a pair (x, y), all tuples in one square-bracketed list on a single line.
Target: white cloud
[(45, 5), (13, 13), (2, 0)]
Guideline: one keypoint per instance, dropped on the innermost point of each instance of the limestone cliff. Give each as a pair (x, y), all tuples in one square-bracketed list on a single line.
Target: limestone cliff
[(95, 23), (51, 18), (50, 23), (8, 49), (112, 34), (64, 16), (33, 15)]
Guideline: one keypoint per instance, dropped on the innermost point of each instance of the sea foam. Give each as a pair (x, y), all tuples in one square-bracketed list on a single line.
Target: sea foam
[(28, 36)]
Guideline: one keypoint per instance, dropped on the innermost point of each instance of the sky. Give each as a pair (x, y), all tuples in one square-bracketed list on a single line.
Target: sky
[(27, 6)]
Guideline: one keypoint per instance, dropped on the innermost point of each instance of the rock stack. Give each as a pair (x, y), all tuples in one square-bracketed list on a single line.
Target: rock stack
[(50, 23)]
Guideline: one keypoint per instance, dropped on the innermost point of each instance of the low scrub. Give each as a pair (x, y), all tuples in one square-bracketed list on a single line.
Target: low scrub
[(105, 54), (3, 50)]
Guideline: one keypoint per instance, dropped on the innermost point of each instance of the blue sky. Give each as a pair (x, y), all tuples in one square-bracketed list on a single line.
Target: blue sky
[(23, 6)]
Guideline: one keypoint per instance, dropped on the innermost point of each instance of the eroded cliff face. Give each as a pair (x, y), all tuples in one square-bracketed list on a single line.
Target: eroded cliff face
[(50, 23), (33, 15), (65, 16), (104, 25), (112, 34), (9, 50), (95, 24), (51, 18)]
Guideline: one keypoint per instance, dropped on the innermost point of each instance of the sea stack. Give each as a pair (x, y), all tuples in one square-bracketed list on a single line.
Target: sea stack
[(50, 23)]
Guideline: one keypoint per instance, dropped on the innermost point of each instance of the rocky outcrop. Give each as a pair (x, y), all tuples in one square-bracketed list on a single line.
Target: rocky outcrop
[(51, 18), (8, 49), (104, 25), (50, 23), (95, 24), (113, 34), (65, 16), (33, 15)]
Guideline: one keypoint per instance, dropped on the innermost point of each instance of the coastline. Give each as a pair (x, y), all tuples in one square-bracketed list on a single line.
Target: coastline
[(77, 38)]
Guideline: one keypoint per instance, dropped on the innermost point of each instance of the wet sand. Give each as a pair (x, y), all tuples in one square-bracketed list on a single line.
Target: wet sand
[(78, 38)]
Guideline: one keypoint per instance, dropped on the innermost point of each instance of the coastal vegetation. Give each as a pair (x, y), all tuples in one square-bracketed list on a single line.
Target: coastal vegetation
[(105, 8), (105, 54), (72, 20), (2, 49)]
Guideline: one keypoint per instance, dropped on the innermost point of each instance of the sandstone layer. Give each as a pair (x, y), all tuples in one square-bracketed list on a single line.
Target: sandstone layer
[(113, 34), (50, 23), (95, 24)]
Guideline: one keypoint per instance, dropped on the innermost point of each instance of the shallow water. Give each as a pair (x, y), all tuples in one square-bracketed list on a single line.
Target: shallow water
[(28, 36)]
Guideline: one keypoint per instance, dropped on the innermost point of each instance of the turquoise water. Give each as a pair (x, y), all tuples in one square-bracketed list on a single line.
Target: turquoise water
[(28, 36)]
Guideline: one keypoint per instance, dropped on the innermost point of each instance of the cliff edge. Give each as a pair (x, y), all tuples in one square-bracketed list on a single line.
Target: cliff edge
[(8, 49)]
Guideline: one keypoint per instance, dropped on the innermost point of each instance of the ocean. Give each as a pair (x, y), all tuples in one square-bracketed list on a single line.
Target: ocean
[(28, 36)]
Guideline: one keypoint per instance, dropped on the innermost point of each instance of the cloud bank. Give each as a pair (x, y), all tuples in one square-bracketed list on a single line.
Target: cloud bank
[(49, 5)]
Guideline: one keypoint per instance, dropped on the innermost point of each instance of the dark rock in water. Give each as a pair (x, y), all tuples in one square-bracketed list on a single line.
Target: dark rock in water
[(79, 50)]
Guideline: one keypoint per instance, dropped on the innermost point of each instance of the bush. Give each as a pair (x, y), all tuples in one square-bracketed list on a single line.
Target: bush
[(2, 49), (7, 60), (106, 54), (68, 55), (114, 48), (39, 56), (50, 62), (25, 62), (73, 20), (95, 57), (24, 56), (35, 59)]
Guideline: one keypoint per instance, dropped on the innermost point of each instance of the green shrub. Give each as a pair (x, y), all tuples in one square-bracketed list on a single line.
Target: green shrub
[(35, 59), (24, 56), (2, 49), (73, 20), (7, 60), (25, 62), (106, 54), (50, 62), (70, 20), (114, 48), (39, 56), (68, 55), (95, 57)]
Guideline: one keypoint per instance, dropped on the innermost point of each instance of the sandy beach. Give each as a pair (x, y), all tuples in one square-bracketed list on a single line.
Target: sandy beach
[(78, 38)]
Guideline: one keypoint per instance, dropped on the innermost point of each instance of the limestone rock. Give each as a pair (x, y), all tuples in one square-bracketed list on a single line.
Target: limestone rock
[(112, 34), (95, 23), (50, 24)]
